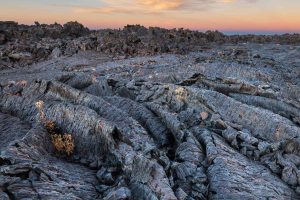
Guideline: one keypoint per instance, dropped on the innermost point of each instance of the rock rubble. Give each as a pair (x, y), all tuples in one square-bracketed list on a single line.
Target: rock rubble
[(22, 45)]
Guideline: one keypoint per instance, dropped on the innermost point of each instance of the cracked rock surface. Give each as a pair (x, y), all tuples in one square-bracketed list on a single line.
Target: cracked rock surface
[(218, 123)]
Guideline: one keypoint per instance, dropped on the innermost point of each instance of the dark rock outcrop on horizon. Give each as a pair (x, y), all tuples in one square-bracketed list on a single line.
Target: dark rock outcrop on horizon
[(22, 45), (146, 114)]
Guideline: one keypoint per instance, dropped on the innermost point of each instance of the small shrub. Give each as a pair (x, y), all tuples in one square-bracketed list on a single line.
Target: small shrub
[(50, 126), (40, 106), (63, 143), (69, 144), (58, 142)]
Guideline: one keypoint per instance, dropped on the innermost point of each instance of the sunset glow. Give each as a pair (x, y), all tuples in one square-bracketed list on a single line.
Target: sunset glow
[(224, 15)]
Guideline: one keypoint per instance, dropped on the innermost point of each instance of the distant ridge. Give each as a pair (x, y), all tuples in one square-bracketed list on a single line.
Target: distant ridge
[(47, 41)]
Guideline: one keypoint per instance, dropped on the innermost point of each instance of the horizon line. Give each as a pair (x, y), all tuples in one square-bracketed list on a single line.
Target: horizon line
[(226, 31)]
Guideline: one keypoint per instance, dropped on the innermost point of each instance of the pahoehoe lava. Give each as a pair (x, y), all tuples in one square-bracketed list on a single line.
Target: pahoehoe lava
[(218, 118)]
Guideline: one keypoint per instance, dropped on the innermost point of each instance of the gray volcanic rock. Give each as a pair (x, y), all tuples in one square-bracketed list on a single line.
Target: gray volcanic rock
[(56, 52), (220, 122), (2, 38), (42, 41)]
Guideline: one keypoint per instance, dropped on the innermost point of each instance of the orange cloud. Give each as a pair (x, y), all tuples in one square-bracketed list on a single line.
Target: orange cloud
[(147, 6), (132, 6), (104, 10), (227, 1), (162, 5)]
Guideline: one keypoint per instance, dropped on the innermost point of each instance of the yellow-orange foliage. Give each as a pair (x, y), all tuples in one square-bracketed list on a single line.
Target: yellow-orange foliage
[(63, 143), (69, 144), (58, 142)]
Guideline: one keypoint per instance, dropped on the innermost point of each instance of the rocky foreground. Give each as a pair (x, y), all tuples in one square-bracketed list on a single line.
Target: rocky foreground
[(124, 114)]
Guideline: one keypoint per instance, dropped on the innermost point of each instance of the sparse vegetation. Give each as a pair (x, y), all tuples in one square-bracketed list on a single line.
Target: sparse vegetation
[(62, 142)]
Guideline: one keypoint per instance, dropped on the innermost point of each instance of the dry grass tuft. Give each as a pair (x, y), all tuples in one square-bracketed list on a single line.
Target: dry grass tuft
[(63, 143), (58, 142), (50, 126), (69, 144)]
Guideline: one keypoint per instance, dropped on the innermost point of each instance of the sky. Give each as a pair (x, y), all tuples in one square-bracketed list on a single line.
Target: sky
[(245, 16)]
